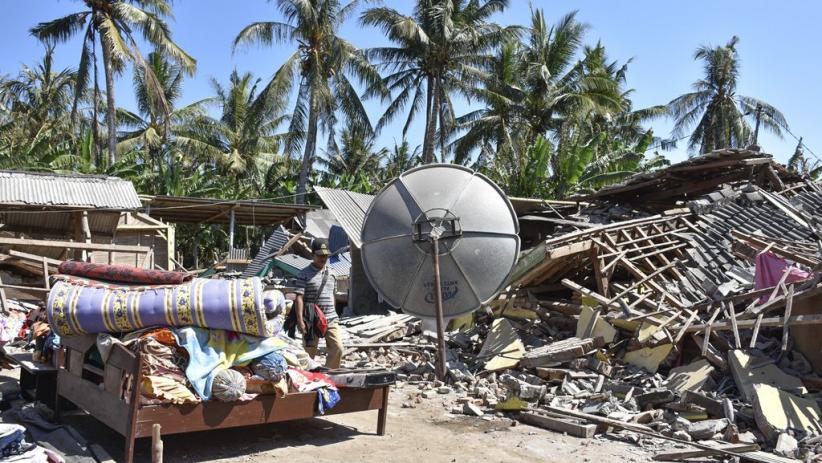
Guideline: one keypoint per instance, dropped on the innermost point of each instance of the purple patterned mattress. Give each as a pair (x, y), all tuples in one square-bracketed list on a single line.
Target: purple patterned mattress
[(80, 307)]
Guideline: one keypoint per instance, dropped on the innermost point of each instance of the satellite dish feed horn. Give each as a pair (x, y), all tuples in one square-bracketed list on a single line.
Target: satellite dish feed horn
[(449, 219)]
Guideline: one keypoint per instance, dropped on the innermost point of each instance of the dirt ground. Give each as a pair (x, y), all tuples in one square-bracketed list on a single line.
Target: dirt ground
[(427, 432)]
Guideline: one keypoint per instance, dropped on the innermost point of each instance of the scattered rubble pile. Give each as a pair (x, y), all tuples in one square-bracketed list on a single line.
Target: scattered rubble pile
[(697, 325)]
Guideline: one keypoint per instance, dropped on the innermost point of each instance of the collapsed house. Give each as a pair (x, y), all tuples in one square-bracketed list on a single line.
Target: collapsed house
[(682, 304)]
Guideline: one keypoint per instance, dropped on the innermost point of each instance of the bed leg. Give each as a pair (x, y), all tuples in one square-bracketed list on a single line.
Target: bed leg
[(58, 409), (129, 451), (383, 413)]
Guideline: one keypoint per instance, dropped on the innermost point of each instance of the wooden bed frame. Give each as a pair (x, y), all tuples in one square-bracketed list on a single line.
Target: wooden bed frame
[(107, 400)]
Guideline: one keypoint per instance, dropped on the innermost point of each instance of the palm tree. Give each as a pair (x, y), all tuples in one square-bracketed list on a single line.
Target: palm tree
[(401, 158), (325, 63), (540, 95), (559, 88), (799, 164), (718, 111), (113, 22), (489, 129), (438, 51), (156, 135), (242, 144), (36, 102), (354, 155)]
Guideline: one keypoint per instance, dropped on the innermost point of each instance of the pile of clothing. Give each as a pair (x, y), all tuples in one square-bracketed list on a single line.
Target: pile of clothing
[(25, 328), (14, 447), (199, 339)]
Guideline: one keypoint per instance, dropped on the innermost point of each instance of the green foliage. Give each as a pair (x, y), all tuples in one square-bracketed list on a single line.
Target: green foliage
[(721, 116), (320, 70), (552, 116)]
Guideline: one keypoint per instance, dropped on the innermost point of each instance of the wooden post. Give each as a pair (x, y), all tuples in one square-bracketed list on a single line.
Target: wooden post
[(230, 230), (86, 234), (3, 305), (786, 327), (46, 283), (156, 444)]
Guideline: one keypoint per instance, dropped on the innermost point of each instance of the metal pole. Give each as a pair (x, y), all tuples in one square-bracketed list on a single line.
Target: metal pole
[(441, 369)]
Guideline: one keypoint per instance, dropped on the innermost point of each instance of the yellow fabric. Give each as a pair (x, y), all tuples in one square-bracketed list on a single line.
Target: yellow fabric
[(168, 390)]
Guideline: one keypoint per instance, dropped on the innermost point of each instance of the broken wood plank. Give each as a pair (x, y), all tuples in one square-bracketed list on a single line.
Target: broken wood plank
[(641, 429), (637, 273), (73, 245), (786, 325), (756, 327), (642, 281), (4, 306), (708, 328), (794, 320), (587, 292), (559, 425), (599, 276), (732, 315), (34, 257), (778, 250), (710, 353), (685, 327), (685, 454), (24, 288), (712, 406), (560, 351)]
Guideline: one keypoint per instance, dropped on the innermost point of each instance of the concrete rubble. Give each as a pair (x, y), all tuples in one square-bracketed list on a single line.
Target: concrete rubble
[(678, 311), (663, 327)]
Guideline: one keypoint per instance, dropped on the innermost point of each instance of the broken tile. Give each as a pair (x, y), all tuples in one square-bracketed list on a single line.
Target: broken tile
[(691, 377), (748, 370), (776, 411), (648, 358), (503, 346)]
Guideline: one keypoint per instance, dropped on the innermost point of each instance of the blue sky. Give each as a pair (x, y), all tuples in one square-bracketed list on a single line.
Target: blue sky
[(780, 49)]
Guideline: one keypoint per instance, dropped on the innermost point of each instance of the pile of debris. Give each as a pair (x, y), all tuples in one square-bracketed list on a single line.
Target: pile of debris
[(697, 325)]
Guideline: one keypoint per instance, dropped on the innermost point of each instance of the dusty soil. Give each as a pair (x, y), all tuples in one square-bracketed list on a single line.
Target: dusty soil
[(427, 432)]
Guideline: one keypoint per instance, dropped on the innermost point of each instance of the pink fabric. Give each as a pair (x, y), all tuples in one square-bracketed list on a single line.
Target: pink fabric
[(769, 271)]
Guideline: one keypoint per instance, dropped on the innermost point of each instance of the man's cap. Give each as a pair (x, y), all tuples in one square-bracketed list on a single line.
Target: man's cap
[(320, 247)]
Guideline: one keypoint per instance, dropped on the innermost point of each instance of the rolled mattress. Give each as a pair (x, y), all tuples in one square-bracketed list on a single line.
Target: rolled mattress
[(82, 307)]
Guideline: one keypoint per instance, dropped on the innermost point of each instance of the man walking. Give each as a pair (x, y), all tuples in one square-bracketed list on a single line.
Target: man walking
[(316, 285)]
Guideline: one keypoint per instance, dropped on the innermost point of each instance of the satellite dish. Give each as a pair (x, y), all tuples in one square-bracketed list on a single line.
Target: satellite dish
[(454, 210)]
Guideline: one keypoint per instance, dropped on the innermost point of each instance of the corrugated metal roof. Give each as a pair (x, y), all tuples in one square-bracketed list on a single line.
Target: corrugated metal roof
[(349, 208), (254, 212), (318, 223), (274, 242), (58, 221), (79, 191), (340, 265)]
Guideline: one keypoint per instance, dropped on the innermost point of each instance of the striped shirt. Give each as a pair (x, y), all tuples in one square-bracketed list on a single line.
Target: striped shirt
[(308, 284)]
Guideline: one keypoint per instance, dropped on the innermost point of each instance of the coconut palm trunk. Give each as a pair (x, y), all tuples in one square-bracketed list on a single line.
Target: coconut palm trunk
[(111, 109), (310, 147), (430, 122)]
